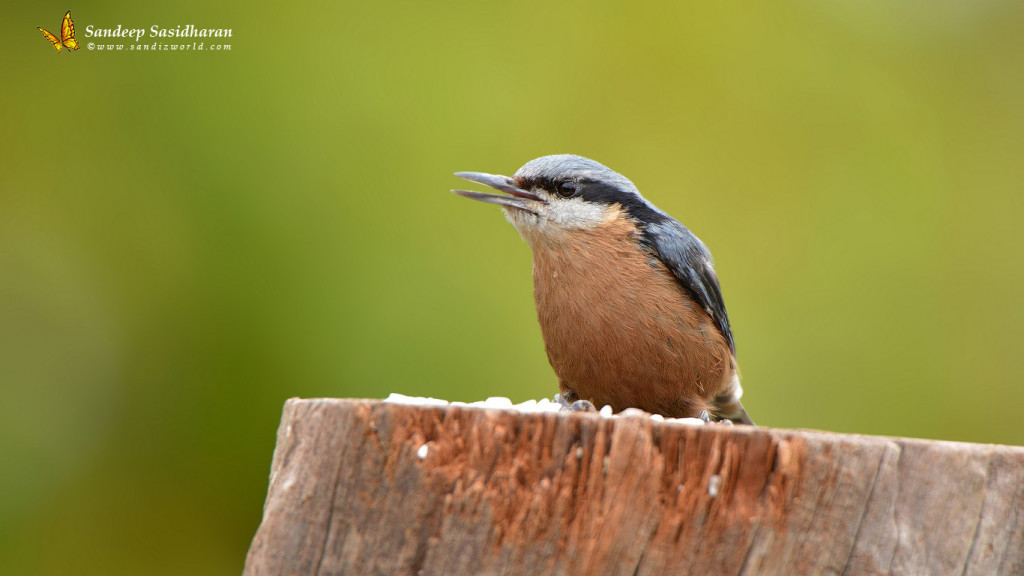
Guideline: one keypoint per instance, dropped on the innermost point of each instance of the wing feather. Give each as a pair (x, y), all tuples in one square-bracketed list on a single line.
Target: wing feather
[(689, 260)]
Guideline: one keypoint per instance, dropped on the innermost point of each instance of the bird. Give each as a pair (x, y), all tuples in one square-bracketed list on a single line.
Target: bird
[(629, 305)]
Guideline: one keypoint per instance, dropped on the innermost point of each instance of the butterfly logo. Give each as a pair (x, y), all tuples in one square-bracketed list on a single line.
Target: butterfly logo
[(67, 34)]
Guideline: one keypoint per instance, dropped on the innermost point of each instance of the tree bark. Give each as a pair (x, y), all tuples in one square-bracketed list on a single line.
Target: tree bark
[(361, 487)]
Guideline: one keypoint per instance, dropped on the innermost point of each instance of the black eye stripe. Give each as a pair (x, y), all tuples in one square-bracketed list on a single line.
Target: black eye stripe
[(634, 206), (600, 192)]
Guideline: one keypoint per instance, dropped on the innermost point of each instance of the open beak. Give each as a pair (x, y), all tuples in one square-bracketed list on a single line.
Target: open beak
[(518, 198)]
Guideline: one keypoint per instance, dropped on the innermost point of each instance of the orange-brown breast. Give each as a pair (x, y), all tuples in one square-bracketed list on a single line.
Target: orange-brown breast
[(620, 330)]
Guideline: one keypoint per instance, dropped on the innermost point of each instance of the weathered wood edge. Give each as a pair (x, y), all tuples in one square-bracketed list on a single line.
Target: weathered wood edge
[(505, 492)]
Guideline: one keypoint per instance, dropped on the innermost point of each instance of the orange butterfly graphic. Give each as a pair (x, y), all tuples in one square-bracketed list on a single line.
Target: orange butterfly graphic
[(67, 34)]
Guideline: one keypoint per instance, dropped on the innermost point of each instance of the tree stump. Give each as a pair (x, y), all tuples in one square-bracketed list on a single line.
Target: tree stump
[(364, 487)]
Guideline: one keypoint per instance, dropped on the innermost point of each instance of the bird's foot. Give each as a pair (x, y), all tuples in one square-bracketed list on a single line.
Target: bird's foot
[(573, 403), (704, 417)]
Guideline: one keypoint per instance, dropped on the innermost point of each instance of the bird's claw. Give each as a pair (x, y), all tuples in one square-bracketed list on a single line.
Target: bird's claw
[(582, 406), (575, 405), (706, 418)]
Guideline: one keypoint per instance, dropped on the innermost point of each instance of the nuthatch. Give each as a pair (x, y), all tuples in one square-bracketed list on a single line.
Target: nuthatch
[(628, 303)]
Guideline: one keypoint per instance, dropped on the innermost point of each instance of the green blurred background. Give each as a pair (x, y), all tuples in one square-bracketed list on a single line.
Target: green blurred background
[(188, 239)]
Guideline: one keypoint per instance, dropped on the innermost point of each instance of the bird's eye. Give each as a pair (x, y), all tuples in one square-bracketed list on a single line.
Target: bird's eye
[(567, 189)]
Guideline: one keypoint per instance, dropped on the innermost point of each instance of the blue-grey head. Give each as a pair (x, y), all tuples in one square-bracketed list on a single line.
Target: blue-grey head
[(554, 194)]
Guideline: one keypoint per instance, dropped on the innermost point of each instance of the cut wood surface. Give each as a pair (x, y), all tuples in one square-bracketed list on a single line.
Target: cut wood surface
[(365, 487)]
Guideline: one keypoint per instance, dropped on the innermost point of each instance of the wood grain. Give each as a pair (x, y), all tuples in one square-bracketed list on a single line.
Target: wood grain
[(502, 492)]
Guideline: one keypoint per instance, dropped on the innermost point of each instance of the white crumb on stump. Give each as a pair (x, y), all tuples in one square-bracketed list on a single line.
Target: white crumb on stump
[(529, 406), (713, 484)]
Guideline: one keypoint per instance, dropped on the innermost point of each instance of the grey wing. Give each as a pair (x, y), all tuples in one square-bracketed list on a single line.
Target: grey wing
[(690, 262)]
